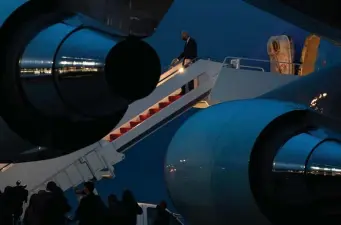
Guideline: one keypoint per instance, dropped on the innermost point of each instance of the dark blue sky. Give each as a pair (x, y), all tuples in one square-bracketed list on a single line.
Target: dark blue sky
[(221, 27)]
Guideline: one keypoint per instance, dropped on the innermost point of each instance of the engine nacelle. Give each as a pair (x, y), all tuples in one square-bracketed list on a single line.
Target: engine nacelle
[(255, 162), (88, 86)]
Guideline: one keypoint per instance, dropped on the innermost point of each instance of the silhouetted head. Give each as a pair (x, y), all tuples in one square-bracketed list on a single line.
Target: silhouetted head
[(184, 35), (18, 183), (128, 196), (112, 198), (52, 187), (33, 198), (163, 205), (89, 187)]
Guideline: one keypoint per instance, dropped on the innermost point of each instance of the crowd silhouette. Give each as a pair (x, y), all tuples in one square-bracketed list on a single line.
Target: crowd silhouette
[(51, 207)]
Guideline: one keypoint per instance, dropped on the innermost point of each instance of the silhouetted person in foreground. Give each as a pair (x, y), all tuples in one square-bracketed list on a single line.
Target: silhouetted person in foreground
[(6, 206), (11, 203), (162, 217), (48, 207), (91, 209), (20, 195), (31, 216), (130, 208), (115, 211), (59, 204)]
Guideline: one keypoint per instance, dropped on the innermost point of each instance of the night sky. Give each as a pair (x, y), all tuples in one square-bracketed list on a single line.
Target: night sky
[(221, 28)]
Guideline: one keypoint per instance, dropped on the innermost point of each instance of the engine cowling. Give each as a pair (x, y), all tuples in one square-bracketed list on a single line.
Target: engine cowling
[(254, 162), (75, 88)]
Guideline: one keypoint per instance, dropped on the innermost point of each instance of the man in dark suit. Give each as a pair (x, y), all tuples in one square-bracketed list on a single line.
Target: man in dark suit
[(190, 49), (189, 54)]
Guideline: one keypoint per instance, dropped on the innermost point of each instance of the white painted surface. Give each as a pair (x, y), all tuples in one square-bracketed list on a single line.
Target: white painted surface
[(235, 84)]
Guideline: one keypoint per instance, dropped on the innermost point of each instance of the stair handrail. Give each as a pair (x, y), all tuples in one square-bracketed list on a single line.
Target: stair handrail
[(258, 60), (184, 66), (255, 60), (170, 74), (96, 149), (170, 67), (5, 167), (253, 67)]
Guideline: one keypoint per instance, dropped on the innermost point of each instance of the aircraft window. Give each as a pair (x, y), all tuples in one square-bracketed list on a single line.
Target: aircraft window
[(152, 213)]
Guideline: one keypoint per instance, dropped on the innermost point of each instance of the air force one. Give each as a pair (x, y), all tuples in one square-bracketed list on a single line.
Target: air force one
[(274, 159), (271, 159)]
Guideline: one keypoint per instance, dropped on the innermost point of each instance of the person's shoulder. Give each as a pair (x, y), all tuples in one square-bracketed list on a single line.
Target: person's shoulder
[(98, 198), (94, 198), (42, 193), (192, 41)]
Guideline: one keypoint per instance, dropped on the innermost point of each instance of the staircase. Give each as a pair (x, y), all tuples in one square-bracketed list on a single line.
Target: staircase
[(143, 116)]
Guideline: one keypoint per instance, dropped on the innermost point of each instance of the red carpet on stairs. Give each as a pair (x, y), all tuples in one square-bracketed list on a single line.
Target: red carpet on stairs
[(134, 123), (143, 117)]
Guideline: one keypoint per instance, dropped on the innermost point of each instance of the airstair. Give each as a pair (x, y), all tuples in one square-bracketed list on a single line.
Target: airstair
[(146, 116), (142, 118)]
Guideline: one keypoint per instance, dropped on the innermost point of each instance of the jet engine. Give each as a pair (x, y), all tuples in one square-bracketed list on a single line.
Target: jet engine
[(256, 161), (73, 90)]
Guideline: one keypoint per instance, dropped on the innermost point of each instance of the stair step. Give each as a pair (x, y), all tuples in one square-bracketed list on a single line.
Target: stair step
[(134, 123), (144, 117), (112, 137), (154, 110), (125, 129), (174, 98), (164, 104)]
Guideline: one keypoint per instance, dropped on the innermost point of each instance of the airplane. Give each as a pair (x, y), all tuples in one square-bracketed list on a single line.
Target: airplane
[(274, 159), (261, 161)]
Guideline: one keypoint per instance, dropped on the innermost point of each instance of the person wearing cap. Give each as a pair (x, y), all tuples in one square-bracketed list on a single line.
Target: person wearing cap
[(20, 196)]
